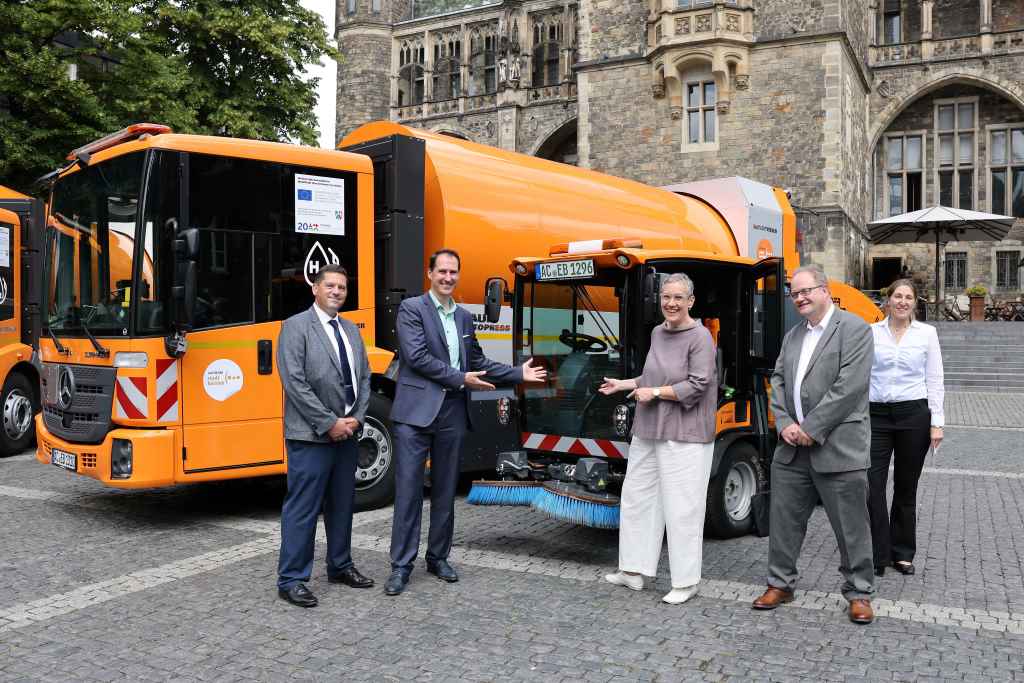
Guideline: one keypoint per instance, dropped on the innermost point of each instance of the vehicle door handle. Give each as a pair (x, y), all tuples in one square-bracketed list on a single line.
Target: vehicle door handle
[(265, 356)]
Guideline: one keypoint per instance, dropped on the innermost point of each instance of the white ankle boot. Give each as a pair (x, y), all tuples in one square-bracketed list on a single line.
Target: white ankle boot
[(631, 581), (680, 595)]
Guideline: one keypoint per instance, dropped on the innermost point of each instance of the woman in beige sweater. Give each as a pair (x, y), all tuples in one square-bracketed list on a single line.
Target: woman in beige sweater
[(672, 448)]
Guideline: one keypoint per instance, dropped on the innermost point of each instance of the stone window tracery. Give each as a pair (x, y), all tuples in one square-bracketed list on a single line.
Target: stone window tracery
[(904, 164), (483, 60), (547, 47), (1006, 169), (956, 151), (447, 71), (411, 85)]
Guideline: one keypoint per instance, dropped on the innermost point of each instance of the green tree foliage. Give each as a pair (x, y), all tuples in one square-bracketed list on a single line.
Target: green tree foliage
[(217, 67)]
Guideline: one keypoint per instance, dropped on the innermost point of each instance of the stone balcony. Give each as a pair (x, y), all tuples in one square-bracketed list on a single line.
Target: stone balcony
[(700, 22), (961, 47)]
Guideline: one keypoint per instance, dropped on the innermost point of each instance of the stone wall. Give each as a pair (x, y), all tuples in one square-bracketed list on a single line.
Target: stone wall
[(364, 92), (856, 20), (777, 19), (1007, 15), (910, 15), (952, 18), (614, 28)]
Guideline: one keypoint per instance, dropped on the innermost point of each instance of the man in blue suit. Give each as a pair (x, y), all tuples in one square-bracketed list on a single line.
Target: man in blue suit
[(440, 362)]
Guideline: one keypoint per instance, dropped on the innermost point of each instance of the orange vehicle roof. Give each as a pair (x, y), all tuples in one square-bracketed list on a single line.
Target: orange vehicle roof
[(8, 193), (246, 149), (489, 203)]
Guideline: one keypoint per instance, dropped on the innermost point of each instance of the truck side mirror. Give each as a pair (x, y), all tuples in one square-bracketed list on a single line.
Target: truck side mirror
[(651, 294), (184, 294), (186, 245), (494, 297)]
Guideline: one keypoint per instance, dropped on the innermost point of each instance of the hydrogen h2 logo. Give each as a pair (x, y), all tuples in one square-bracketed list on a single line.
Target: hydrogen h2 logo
[(317, 258)]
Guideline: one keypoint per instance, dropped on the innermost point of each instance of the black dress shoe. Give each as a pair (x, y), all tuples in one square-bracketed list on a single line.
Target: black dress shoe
[(904, 567), (351, 577), (879, 570), (298, 595), (442, 570), (396, 582)]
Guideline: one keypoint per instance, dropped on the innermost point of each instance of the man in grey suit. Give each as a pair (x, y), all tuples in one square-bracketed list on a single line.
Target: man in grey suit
[(326, 378), (440, 361), (820, 402)]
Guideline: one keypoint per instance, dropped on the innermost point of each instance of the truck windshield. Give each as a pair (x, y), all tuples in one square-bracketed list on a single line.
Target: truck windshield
[(572, 329), (90, 241)]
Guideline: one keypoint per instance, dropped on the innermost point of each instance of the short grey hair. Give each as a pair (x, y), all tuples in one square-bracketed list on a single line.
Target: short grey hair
[(681, 278), (815, 271)]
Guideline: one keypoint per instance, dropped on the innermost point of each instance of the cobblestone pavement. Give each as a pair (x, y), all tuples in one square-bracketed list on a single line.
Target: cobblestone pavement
[(179, 584)]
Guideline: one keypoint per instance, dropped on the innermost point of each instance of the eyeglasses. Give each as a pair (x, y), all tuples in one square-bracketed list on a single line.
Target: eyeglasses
[(803, 292)]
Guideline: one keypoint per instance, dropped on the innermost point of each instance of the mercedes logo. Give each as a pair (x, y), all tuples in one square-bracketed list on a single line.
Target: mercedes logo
[(65, 388)]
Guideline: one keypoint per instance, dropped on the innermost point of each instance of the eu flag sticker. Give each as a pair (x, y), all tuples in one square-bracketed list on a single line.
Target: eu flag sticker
[(306, 195)]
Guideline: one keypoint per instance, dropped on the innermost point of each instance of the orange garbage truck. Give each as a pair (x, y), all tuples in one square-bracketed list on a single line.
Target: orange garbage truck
[(20, 228), (171, 260)]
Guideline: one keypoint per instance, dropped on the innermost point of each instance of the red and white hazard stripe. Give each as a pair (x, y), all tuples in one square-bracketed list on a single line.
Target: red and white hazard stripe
[(166, 390), (131, 398), (601, 448)]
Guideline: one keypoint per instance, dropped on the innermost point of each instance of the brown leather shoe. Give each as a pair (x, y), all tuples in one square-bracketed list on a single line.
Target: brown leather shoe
[(860, 612), (772, 598)]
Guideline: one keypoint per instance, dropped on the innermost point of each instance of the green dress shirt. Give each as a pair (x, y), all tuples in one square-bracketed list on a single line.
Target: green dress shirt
[(451, 331)]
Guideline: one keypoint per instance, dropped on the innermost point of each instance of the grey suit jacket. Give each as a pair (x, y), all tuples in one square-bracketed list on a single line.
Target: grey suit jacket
[(425, 370), (833, 394), (311, 375)]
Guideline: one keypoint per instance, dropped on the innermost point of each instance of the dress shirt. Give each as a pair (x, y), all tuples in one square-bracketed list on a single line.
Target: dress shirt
[(909, 370), (325, 322), (811, 338), (451, 331)]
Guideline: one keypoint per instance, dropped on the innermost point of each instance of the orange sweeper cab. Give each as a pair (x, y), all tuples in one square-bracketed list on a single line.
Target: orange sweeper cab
[(171, 260), (21, 220), (586, 311)]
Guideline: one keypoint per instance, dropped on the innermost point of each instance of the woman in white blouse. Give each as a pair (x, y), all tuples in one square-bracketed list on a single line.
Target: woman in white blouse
[(906, 419)]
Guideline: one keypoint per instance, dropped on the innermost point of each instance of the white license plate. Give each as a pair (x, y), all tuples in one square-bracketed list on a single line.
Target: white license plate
[(68, 461), (565, 270)]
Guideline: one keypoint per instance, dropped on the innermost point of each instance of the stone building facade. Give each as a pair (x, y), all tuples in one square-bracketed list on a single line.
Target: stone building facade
[(860, 108)]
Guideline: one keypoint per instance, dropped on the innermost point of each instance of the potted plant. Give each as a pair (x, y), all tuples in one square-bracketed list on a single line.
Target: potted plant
[(977, 295)]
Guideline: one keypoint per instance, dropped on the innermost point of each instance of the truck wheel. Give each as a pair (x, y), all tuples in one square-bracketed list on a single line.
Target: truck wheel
[(375, 469), (17, 400), (728, 513)]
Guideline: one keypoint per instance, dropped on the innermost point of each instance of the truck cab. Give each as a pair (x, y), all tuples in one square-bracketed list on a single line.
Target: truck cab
[(587, 311)]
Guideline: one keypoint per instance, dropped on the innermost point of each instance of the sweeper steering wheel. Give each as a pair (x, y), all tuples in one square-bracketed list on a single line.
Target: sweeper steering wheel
[(578, 341)]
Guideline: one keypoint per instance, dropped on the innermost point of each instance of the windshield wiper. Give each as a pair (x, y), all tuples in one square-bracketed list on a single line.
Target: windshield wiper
[(101, 351), (61, 349)]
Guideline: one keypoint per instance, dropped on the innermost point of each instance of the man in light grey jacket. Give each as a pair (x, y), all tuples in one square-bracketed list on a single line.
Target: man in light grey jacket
[(820, 402), (326, 379)]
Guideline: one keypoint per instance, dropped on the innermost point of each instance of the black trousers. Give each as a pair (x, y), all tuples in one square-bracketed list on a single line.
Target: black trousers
[(900, 432)]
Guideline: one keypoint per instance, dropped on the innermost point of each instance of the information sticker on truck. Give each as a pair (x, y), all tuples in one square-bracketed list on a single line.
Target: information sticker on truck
[(563, 270)]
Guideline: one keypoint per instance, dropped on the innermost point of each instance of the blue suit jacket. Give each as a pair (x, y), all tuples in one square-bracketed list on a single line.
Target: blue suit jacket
[(425, 370)]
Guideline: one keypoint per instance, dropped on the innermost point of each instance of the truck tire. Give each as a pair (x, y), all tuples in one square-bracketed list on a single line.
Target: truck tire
[(728, 512), (375, 469), (18, 402)]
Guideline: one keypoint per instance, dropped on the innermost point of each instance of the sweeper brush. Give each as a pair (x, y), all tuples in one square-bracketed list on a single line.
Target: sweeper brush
[(575, 504), (503, 492)]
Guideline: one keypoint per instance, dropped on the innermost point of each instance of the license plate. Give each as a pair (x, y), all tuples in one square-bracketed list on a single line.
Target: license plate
[(68, 461), (565, 270)]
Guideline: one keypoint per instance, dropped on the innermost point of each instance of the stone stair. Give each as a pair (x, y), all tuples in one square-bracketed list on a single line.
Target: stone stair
[(982, 356)]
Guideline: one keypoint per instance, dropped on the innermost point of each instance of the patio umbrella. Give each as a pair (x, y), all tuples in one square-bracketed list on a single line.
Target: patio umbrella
[(942, 223)]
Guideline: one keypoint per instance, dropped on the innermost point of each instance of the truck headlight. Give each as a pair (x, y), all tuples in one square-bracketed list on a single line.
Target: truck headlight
[(620, 418), (504, 406), (121, 459)]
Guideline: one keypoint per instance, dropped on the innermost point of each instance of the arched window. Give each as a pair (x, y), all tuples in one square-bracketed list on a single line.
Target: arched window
[(483, 75), (547, 44), (410, 74), (447, 80)]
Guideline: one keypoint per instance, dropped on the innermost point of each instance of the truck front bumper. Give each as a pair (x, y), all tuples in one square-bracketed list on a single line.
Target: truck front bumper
[(150, 463)]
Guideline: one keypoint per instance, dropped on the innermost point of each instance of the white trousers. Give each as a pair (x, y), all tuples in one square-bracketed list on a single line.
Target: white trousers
[(666, 488)]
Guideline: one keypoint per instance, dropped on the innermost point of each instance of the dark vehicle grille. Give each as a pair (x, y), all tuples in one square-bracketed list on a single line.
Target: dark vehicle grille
[(87, 418)]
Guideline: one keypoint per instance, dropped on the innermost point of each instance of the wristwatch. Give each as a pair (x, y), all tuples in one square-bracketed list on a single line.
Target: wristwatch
[(657, 392)]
